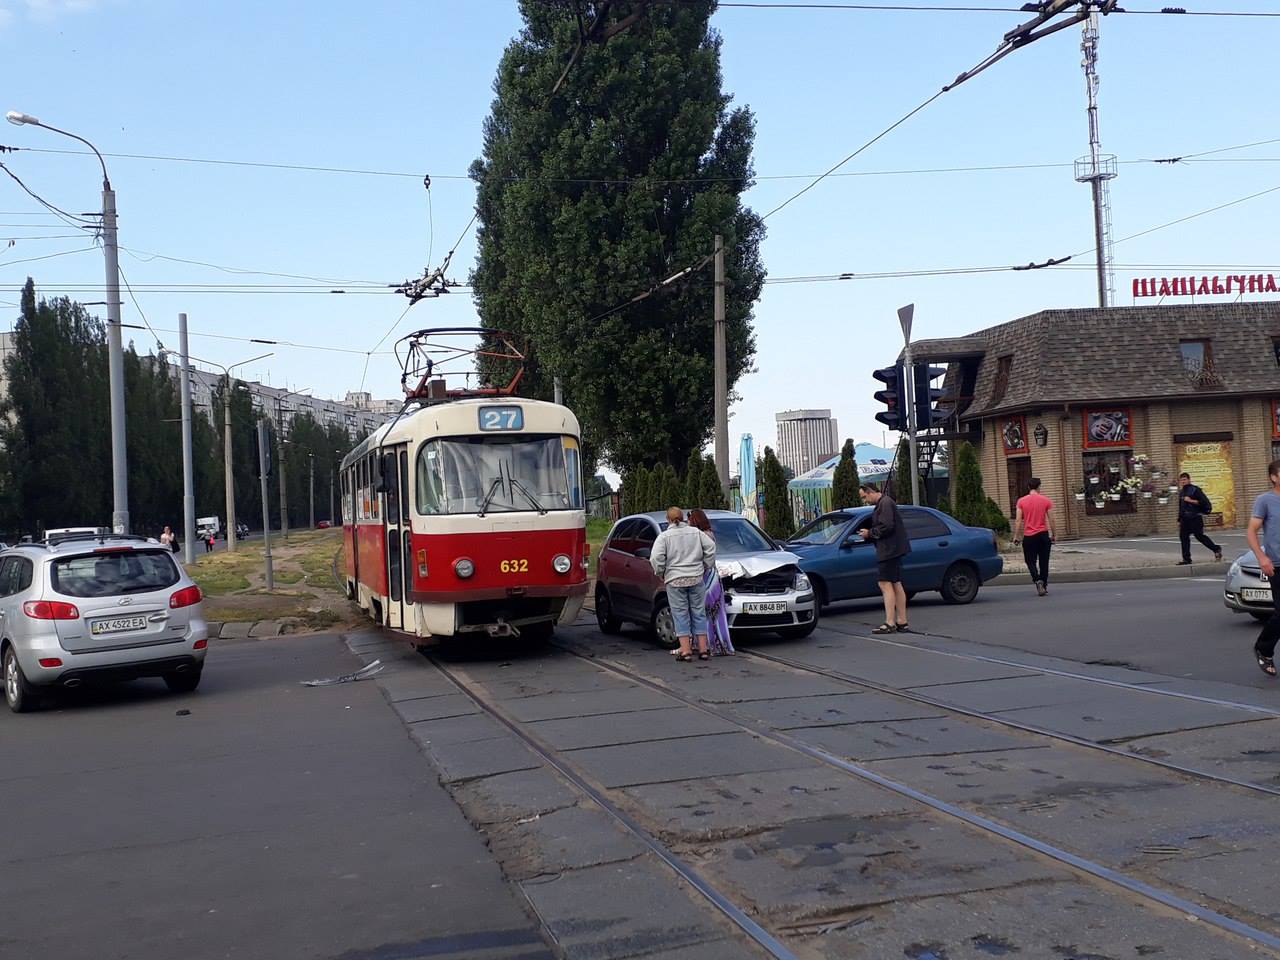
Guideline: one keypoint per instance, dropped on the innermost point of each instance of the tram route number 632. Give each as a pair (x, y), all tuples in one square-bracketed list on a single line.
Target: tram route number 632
[(514, 566)]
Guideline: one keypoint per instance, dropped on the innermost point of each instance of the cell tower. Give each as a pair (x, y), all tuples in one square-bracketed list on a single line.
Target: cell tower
[(1099, 168)]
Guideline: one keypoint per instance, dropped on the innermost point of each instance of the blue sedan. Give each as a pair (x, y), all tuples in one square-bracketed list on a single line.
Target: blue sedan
[(945, 555)]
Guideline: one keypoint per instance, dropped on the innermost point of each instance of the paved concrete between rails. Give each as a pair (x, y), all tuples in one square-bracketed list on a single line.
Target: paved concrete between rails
[(274, 821), (838, 867)]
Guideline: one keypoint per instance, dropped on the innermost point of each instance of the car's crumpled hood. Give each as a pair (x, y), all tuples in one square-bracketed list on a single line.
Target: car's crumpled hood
[(746, 565)]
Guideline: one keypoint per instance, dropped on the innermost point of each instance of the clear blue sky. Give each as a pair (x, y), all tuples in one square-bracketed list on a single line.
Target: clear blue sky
[(406, 86)]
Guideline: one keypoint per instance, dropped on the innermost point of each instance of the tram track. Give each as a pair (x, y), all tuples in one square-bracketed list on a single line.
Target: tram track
[(1054, 672), (555, 759), (923, 699), (1148, 892)]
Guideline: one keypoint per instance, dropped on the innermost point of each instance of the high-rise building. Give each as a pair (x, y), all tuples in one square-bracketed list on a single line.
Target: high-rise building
[(806, 438)]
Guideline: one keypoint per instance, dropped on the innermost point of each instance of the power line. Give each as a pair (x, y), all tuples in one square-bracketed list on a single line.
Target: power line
[(47, 256), (69, 218), (941, 8), (146, 256), (138, 306)]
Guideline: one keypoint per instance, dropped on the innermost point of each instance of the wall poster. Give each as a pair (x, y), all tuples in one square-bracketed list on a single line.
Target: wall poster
[(1210, 467), (1108, 428), (1013, 433)]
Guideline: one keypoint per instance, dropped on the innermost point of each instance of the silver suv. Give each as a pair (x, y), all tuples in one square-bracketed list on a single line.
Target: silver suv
[(85, 607)]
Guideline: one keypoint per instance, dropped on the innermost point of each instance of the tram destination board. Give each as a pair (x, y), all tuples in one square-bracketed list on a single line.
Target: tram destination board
[(501, 418)]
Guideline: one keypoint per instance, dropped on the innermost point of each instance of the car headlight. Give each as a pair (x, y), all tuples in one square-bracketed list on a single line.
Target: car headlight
[(802, 583), (1235, 569), (561, 563), (464, 568)]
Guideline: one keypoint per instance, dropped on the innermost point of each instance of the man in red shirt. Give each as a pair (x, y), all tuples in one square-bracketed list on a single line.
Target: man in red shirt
[(1033, 524)]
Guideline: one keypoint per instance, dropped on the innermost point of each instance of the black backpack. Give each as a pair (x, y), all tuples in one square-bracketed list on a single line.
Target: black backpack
[(1206, 505)]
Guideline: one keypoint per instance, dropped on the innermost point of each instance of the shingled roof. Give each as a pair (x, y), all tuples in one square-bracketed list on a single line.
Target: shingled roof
[(1125, 353)]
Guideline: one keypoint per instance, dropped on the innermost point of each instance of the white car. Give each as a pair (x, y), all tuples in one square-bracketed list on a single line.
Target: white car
[(1247, 589)]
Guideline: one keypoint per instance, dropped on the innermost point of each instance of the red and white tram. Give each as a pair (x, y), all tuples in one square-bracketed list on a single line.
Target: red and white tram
[(468, 517)]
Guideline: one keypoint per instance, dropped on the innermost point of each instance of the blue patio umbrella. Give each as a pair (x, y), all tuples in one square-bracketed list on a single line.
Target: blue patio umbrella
[(747, 473)]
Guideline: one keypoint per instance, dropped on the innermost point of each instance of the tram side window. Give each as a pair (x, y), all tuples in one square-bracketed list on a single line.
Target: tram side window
[(404, 486), (391, 481), (430, 480), (573, 471)]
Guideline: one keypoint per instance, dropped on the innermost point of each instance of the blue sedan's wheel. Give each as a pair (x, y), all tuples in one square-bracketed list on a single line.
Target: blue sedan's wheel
[(960, 583)]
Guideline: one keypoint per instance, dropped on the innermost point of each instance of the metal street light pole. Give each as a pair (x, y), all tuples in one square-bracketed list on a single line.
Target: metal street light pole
[(115, 346), (230, 486), (311, 482), (188, 467)]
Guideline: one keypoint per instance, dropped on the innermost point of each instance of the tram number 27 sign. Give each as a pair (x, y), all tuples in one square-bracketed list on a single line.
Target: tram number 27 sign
[(501, 418), (1232, 284)]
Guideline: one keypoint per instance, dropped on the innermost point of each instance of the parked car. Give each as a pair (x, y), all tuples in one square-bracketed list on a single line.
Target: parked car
[(945, 555), (82, 607), (322, 524), (778, 600), (1247, 589)]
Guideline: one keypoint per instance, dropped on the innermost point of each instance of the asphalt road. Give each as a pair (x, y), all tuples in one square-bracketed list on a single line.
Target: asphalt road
[(1175, 627), (273, 821)]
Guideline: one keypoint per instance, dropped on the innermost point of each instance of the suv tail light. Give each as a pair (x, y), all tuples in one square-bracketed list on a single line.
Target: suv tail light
[(50, 610), (185, 597)]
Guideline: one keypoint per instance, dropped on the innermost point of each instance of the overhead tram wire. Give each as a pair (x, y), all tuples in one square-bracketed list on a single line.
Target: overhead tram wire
[(70, 219), (946, 8)]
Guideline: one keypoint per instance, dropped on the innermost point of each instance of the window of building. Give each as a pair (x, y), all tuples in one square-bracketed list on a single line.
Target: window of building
[(1004, 365), (1275, 348), (1197, 355), (1104, 475)]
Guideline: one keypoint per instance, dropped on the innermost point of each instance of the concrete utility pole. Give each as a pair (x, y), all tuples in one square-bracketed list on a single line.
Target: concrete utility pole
[(559, 391), (311, 482), (266, 512), (115, 346), (188, 468), (226, 443), (333, 520), (284, 497), (722, 374), (905, 315)]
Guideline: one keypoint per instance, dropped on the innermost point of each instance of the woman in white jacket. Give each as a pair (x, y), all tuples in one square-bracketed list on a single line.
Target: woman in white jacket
[(681, 556)]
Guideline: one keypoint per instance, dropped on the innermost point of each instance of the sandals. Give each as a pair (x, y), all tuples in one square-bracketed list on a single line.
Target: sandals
[(885, 628), (903, 627), (704, 655), (1266, 664), (684, 658)]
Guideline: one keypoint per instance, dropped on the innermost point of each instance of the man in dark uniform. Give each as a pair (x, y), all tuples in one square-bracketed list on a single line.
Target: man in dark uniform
[(884, 527), (1192, 506)]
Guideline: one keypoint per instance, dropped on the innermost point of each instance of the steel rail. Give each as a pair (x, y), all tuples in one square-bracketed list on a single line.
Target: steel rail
[(1036, 729), (731, 911), (1099, 871), (1054, 672)]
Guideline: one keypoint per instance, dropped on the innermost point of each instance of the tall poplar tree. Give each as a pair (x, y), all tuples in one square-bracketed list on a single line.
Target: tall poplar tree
[(845, 481), (592, 189)]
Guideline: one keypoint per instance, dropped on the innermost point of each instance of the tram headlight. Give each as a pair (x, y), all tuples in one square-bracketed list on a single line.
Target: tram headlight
[(561, 563), (464, 568)]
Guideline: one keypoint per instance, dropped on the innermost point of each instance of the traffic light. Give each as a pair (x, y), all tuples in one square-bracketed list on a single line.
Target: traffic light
[(891, 397), (924, 395)]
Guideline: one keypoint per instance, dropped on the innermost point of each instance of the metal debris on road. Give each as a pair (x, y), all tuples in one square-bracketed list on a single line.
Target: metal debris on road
[(364, 673)]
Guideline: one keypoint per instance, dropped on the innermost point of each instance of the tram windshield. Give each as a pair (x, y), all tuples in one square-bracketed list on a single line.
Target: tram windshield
[(493, 474)]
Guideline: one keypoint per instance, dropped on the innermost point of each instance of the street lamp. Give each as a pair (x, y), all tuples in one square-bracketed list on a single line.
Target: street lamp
[(115, 348), (311, 483), (226, 442)]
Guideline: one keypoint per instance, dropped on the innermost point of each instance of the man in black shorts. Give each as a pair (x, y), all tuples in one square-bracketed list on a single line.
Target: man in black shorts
[(885, 529)]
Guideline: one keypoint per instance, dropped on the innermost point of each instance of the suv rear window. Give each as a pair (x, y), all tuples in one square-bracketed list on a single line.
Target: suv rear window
[(112, 574)]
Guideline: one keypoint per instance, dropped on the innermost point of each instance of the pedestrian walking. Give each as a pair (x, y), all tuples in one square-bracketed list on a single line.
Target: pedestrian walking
[(681, 556), (208, 542), (1033, 525), (1264, 540), (717, 619), (884, 527), (1193, 504)]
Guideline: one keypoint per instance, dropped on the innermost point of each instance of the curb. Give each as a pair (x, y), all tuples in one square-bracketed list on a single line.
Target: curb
[(1120, 573)]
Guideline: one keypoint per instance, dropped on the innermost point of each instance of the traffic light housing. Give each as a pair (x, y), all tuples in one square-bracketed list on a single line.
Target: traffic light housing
[(891, 396), (925, 395)]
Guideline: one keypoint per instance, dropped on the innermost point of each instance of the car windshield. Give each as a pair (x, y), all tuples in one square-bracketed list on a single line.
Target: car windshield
[(112, 574), (734, 536), (485, 474), (823, 530)]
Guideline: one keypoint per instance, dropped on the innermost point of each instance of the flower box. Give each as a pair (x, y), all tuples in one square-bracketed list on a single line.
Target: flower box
[(1146, 494), (1100, 504), (1115, 496), (1163, 500), (1094, 480), (1079, 496)]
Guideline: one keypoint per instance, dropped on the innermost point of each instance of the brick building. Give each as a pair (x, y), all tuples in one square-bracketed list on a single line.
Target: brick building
[(1107, 407)]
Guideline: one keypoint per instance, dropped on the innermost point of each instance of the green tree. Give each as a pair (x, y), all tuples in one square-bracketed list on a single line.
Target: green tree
[(54, 429), (901, 480), (244, 456), (644, 489), (710, 493), (692, 481), (844, 482), (944, 505), (969, 502), (779, 522), (672, 488), (597, 191), (995, 518)]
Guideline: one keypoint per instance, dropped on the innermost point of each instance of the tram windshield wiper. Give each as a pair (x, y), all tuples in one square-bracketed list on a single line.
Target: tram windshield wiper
[(488, 497), (528, 496)]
